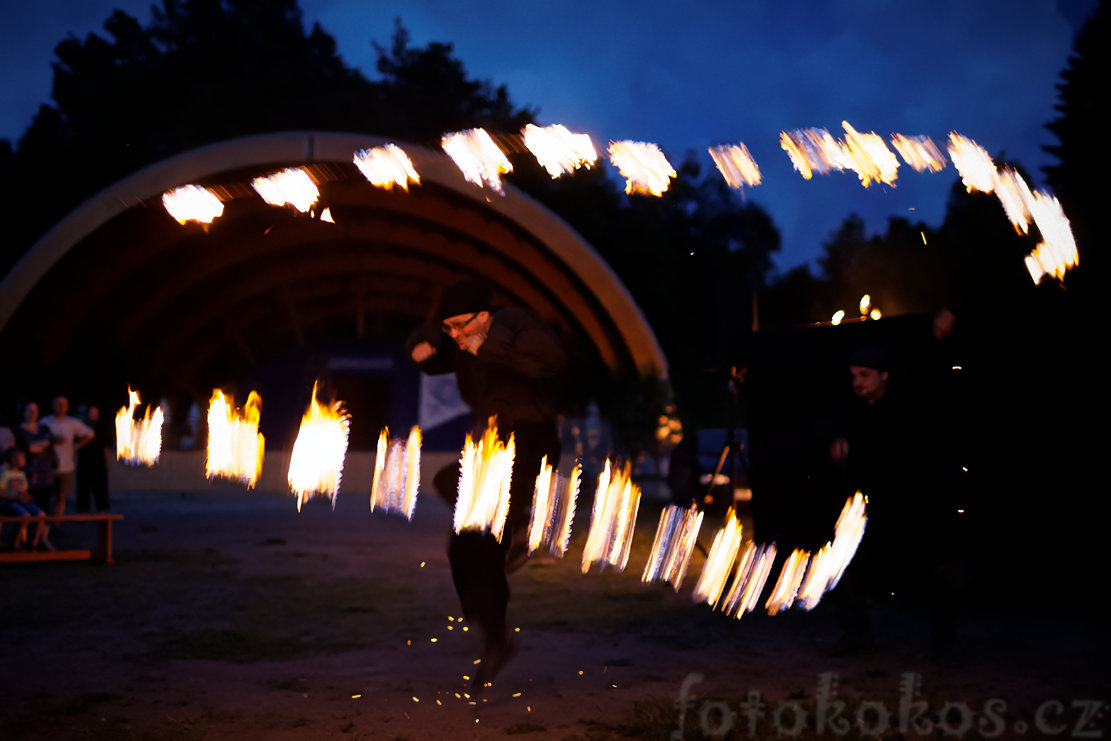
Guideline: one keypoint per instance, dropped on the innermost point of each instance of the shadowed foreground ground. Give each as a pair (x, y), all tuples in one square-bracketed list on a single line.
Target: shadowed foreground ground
[(231, 615)]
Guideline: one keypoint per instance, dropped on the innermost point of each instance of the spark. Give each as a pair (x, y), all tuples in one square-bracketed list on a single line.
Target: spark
[(643, 166)]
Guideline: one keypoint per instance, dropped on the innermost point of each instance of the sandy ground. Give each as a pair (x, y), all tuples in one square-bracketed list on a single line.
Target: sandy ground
[(232, 615)]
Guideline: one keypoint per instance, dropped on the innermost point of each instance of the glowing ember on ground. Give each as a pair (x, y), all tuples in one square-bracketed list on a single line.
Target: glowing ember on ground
[(643, 166), (557, 149), (787, 585), (485, 472), (553, 509), (396, 473), (752, 573), (316, 463), (719, 562), (235, 446), (477, 157), (676, 536), (292, 186), (868, 156), (138, 442), (827, 566), (612, 520), (192, 203), (386, 166), (735, 165), (919, 152)]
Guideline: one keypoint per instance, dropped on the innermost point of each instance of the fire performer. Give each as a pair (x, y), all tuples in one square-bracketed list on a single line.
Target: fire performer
[(505, 361)]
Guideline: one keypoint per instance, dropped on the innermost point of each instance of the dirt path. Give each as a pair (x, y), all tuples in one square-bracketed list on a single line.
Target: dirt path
[(231, 615)]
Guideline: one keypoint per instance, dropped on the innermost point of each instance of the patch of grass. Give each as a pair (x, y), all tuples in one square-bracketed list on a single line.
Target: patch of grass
[(237, 646), (289, 684), (520, 728)]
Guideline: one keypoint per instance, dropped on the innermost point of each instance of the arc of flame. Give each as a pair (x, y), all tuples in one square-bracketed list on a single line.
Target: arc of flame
[(485, 474), (138, 442), (828, 565), (919, 152), (557, 149), (386, 166), (235, 446), (292, 185), (735, 165), (397, 473), (316, 462), (973, 163), (719, 562), (787, 585), (643, 165), (869, 157), (613, 519), (192, 203), (477, 157), (753, 569), (673, 545), (812, 150), (553, 509)]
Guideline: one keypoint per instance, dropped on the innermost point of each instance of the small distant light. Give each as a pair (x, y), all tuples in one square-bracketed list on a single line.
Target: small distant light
[(433, 640), (580, 672), (957, 367), (960, 511), (465, 628), (516, 630), (964, 468)]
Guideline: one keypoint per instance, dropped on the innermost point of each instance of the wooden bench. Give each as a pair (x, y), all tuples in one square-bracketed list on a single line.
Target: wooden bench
[(102, 553)]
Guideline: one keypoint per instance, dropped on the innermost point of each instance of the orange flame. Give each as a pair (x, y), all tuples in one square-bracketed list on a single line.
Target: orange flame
[(830, 562), (553, 509), (919, 152), (735, 165), (138, 443), (676, 536), (973, 163), (292, 185), (386, 166), (485, 473), (192, 203), (753, 569), (235, 446), (787, 585), (719, 562), (396, 473), (477, 157), (557, 149), (643, 166), (316, 463), (612, 520)]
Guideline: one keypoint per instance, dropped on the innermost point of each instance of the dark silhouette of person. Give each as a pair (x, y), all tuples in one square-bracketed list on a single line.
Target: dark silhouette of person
[(505, 361), (92, 464)]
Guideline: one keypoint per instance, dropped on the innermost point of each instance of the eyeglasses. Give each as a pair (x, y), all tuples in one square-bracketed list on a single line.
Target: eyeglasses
[(460, 326)]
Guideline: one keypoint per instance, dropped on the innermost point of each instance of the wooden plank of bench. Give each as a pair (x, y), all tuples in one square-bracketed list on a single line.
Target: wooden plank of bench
[(28, 556), (104, 552)]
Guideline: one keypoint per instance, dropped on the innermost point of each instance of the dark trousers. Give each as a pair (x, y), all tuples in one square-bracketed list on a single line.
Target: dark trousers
[(92, 483), (478, 559)]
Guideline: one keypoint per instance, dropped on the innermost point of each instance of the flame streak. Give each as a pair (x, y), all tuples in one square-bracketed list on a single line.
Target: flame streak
[(753, 569), (643, 166), (827, 566), (736, 165), (316, 463), (396, 474), (676, 535), (192, 203), (386, 166), (812, 150), (558, 150), (138, 442), (869, 157), (485, 474), (787, 585), (612, 520), (477, 157), (719, 563), (553, 509), (235, 446), (919, 152), (973, 163), (292, 186)]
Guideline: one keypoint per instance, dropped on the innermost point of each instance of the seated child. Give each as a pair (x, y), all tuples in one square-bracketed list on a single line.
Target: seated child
[(17, 501)]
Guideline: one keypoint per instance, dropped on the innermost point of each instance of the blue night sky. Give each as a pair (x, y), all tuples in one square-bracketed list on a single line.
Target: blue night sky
[(691, 76)]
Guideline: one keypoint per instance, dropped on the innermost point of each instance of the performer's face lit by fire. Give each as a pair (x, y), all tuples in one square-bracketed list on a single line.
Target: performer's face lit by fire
[(462, 327), (868, 383)]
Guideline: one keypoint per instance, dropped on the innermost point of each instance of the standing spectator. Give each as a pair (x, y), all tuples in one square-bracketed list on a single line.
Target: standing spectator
[(92, 464), (70, 435), (35, 439)]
